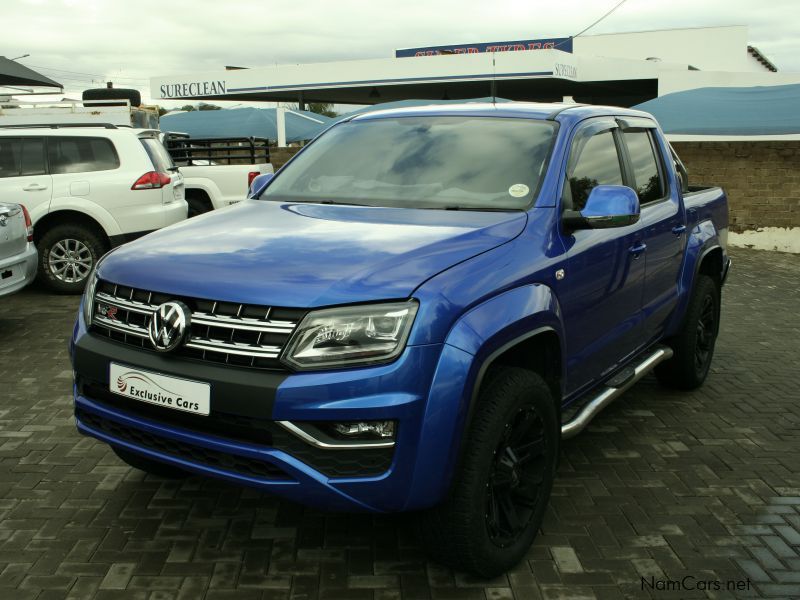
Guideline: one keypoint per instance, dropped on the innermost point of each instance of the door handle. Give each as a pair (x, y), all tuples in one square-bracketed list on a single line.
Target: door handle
[(637, 249), (679, 229), (35, 187)]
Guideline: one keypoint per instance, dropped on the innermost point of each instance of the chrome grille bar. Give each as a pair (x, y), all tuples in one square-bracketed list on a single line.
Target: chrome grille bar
[(229, 338), (233, 348)]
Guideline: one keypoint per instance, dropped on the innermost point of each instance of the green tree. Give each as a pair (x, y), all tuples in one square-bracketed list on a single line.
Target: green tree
[(205, 106), (188, 108)]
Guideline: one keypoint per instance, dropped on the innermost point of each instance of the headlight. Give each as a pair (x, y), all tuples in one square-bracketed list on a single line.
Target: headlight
[(88, 297), (351, 335)]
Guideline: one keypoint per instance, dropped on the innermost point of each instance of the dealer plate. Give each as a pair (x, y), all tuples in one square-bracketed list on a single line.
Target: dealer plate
[(163, 390)]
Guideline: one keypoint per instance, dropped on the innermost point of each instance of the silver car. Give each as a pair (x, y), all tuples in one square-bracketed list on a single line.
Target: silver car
[(18, 257)]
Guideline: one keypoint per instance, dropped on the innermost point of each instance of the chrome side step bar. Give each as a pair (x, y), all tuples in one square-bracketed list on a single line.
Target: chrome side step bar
[(590, 410)]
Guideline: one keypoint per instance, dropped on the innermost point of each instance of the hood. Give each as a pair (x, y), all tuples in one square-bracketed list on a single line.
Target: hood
[(306, 255)]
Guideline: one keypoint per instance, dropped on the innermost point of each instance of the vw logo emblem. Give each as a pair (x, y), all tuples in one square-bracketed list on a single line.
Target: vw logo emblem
[(169, 326)]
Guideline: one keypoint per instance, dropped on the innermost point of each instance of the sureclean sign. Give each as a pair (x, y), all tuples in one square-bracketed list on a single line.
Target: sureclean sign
[(194, 88)]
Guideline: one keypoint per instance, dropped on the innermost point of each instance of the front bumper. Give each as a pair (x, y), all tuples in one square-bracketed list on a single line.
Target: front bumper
[(240, 440), (23, 270)]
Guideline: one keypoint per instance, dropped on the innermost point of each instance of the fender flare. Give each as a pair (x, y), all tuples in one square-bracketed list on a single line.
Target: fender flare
[(479, 336), (703, 240), (91, 209)]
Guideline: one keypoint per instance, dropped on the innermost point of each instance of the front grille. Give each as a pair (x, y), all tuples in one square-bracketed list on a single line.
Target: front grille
[(242, 335), (362, 462)]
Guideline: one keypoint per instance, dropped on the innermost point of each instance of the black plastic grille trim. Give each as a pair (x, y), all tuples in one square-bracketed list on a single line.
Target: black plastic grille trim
[(197, 454), (365, 462)]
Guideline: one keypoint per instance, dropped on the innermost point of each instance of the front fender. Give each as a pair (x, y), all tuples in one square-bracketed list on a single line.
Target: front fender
[(477, 337)]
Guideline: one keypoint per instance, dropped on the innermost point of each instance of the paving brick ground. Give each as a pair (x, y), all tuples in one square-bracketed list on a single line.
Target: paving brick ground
[(663, 485)]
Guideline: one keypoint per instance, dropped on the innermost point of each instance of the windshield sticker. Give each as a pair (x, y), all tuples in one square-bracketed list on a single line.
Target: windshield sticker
[(518, 190)]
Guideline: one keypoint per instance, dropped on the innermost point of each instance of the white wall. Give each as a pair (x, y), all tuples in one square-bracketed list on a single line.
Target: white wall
[(707, 48)]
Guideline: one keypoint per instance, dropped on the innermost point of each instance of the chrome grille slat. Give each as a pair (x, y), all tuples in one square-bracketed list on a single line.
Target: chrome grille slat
[(243, 324), (240, 337), (126, 328), (145, 309), (233, 348)]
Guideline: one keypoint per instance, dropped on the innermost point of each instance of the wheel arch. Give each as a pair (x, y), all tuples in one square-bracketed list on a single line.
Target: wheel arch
[(522, 327), (68, 216)]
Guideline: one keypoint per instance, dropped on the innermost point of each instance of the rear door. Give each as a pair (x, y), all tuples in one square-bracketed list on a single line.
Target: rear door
[(23, 174), (601, 299), (662, 219)]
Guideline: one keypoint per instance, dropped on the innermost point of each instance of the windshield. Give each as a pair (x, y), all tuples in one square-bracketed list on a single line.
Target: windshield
[(421, 162)]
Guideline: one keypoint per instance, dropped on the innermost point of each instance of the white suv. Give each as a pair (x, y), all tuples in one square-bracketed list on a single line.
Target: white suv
[(88, 189)]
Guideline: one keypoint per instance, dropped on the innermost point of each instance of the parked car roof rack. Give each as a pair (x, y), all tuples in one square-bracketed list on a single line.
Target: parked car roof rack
[(59, 125)]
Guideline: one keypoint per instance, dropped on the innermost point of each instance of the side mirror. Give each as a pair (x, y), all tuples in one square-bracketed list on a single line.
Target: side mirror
[(607, 206), (258, 184)]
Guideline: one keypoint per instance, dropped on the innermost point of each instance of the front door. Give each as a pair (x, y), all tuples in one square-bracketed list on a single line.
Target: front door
[(604, 277)]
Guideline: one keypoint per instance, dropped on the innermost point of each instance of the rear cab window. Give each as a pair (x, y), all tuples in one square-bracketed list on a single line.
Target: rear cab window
[(81, 155)]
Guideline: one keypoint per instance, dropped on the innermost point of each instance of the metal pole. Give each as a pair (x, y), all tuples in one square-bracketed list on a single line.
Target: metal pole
[(301, 103), (280, 118)]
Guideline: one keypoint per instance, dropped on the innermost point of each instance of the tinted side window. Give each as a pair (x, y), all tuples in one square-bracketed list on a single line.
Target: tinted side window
[(32, 157), (81, 155), (596, 164), (648, 182), (10, 151)]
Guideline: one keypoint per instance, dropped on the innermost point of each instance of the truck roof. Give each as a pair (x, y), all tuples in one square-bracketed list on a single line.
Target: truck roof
[(521, 110)]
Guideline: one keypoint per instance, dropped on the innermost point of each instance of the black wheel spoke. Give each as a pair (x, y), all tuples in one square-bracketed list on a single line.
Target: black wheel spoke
[(516, 477)]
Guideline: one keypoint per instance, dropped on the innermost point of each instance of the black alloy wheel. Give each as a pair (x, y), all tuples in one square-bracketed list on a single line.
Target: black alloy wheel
[(516, 476), (706, 334), (693, 345)]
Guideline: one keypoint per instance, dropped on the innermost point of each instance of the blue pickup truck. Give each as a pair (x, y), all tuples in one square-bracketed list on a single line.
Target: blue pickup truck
[(411, 316)]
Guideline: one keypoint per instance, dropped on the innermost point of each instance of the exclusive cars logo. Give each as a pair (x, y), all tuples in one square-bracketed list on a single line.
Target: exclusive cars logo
[(169, 326), (136, 384)]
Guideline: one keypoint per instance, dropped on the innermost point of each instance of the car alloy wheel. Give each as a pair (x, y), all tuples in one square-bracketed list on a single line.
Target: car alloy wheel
[(70, 260)]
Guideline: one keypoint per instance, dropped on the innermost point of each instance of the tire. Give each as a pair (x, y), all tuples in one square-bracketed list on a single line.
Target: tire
[(68, 242), (470, 530), (149, 466), (693, 346), (131, 95), (198, 205)]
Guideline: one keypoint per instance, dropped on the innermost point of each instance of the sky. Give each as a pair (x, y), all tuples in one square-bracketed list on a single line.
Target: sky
[(83, 43)]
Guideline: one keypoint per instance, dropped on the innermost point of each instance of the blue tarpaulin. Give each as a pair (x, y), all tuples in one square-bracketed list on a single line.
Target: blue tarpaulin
[(245, 122), (768, 110)]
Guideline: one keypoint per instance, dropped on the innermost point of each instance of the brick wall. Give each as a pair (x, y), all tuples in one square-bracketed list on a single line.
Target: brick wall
[(762, 179)]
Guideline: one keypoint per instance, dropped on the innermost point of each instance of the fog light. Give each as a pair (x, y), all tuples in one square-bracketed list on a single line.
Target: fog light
[(366, 429)]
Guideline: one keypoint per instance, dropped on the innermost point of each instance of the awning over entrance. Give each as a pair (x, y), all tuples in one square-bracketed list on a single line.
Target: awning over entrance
[(13, 73), (536, 75)]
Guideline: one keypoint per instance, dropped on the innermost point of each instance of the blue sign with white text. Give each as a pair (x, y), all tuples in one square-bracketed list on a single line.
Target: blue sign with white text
[(563, 44)]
